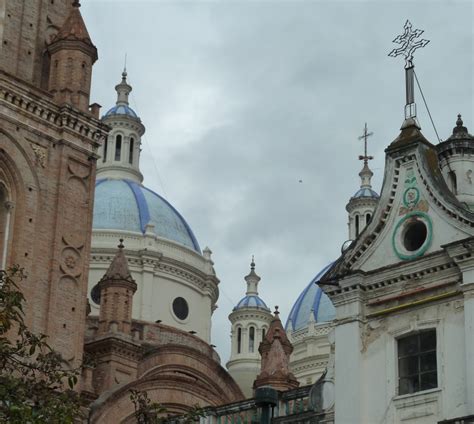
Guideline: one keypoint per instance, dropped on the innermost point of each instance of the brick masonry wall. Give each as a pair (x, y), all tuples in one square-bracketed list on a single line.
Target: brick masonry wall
[(27, 26)]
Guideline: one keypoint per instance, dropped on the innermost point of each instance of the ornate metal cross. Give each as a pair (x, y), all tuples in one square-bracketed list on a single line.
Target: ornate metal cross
[(365, 136), (408, 44)]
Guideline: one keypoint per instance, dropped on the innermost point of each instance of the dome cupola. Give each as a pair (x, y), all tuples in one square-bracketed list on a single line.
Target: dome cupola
[(121, 152), (362, 204), (250, 321), (251, 298)]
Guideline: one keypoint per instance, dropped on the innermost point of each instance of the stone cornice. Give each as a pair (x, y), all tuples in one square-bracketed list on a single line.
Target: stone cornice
[(425, 269), (71, 125), (161, 264), (114, 344), (250, 314)]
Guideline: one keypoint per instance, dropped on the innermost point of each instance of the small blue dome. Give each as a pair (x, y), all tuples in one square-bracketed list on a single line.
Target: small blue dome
[(126, 205), (251, 301), (121, 110), (311, 298), (365, 192)]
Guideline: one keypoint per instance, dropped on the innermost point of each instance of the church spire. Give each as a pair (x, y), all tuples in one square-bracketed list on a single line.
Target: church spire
[(366, 174), (252, 280), (362, 204), (123, 90)]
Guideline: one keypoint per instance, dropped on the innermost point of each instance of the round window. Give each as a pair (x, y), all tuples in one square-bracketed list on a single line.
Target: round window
[(180, 308), (414, 235)]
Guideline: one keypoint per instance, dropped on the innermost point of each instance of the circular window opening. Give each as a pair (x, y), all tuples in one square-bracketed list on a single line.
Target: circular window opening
[(180, 308), (415, 235)]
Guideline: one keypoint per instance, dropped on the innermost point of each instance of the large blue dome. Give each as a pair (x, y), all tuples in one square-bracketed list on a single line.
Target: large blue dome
[(122, 204), (311, 298)]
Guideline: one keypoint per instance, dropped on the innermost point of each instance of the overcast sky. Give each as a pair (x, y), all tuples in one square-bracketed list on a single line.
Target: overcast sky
[(243, 99)]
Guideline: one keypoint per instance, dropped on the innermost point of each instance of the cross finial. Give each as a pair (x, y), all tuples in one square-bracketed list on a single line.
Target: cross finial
[(408, 44), (277, 312), (365, 136)]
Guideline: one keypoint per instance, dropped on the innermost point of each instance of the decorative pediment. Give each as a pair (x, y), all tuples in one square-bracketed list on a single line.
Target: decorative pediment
[(417, 213)]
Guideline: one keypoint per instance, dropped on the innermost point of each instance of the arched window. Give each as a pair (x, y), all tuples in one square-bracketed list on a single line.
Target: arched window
[(367, 218), (357, 225), (263, 334), (118, 147), (6, 207), (453, 182), (239, 340), (130, 154), (251, 339), (104, 156)]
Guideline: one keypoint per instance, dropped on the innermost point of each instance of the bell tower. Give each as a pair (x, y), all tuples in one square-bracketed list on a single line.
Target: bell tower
[(72, 55), (250, 322), (361, 206)]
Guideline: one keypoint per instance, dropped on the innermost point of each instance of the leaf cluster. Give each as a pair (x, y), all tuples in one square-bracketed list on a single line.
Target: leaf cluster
[(35, 381)]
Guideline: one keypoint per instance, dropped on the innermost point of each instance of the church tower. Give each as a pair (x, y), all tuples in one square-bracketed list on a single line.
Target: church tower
[(361, 206), (48, 151), (250, 322), (456, 160), (176, 281), (72, 55)]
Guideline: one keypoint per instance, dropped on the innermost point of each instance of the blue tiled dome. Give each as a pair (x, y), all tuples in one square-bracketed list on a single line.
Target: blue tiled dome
[(365, 192), (312, 297), (126, 205), (251, 301), (121, 110)]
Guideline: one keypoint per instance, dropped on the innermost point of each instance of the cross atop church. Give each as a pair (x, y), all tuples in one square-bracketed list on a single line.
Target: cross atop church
[(407, 48), (365, 136), (408, 44)]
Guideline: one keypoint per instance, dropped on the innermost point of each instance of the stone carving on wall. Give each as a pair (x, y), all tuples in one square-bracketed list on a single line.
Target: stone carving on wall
[(40, 155)]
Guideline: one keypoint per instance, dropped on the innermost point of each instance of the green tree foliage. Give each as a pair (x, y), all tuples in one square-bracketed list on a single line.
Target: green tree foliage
[(35, 381), (148, 412)]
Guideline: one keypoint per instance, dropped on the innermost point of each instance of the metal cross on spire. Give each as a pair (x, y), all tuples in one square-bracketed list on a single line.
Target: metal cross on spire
[(408, 44), (407, 48), (365, 136)]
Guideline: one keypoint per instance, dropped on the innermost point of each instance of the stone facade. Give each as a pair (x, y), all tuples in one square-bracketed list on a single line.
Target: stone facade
[(402, 292), (48, 156)]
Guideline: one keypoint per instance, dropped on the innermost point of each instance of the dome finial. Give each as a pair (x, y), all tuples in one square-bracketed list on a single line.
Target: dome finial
[(124, 73), (459, 128), (252, 264), (123, 89)]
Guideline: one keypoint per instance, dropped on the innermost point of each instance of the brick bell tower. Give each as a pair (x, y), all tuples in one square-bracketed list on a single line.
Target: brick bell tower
[(72, 55), (113, 347), (49, 137)]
